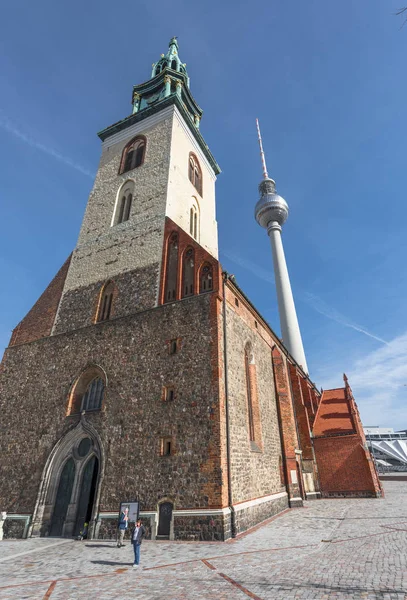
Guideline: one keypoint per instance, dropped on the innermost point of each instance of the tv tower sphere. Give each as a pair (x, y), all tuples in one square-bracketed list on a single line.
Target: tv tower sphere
[(271, 207)]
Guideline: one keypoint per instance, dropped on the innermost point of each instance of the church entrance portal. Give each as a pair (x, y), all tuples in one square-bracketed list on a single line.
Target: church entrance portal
[(164, 519), (69, 493), (73, 505)]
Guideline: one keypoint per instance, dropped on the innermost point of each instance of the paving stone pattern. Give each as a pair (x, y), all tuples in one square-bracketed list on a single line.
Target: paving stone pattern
[(349, 549)]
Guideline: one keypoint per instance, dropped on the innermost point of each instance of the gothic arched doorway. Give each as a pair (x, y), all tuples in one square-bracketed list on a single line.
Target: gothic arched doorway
[(63, 498), (70, 486)]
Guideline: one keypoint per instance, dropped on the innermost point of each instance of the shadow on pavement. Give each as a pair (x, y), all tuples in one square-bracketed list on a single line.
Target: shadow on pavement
[(101, 545), (111, 562)]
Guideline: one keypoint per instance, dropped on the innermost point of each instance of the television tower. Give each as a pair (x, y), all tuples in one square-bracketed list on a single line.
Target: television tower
[(271, 212)]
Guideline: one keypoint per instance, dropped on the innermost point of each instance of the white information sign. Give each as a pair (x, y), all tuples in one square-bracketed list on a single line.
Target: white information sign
[(133, 508)]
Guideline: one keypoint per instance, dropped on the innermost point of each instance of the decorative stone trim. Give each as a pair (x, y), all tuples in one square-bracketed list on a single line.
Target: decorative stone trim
[(313, 495), (257, 501), (201, 511)]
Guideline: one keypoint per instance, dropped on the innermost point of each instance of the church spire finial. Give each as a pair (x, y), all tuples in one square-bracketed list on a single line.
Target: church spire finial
[(263, 158)]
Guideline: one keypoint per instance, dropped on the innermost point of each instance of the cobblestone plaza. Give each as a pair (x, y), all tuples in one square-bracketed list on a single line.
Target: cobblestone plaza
[(329, 549)]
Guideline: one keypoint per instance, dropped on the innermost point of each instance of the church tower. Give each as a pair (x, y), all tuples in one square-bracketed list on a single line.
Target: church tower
[(155, 166)]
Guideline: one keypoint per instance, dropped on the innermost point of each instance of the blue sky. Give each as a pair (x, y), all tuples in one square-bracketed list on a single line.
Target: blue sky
[(327, 81)]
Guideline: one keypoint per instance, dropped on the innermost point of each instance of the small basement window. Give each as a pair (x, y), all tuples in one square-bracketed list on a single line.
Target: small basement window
[(173, 346), (166, 447), (169, 394)]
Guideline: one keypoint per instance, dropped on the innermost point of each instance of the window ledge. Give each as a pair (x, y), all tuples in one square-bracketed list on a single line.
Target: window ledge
[(90, 410), (254, 447)]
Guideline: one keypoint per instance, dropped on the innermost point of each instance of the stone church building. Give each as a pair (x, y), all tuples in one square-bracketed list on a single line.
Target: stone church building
[(144, 372)]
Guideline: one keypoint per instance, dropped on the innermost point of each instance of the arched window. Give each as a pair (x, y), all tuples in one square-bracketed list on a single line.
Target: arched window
[(188, 273), (174, 65), (88, 391), (172, 268), (123, 204), (158, 69), (195, 173), (206, 278), (93, 397), (106, 302), (133, 154), (194, 221), (248, 361)]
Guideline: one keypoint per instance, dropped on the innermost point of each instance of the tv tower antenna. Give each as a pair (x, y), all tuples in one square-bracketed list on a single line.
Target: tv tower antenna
[(263, 158)]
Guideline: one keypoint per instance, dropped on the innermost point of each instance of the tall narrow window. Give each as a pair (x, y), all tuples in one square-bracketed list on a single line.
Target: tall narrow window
[(206, 278), (106, 302), (92, 399), (248, 359), (194, 221), (172, 268), (168, 394), (195, 173), (88, 391), (167, 446), (188, 273), (133, 154), (124, 208), (124, 203), (173, 346)]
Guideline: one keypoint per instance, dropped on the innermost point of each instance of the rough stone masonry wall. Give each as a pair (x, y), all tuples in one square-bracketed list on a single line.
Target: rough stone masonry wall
[(249, 517), (104, 251), (254, 473), (133, 351), (135, 291)]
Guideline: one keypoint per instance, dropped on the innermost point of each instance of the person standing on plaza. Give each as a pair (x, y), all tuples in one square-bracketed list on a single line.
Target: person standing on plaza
[(122, 526), (137, 536)]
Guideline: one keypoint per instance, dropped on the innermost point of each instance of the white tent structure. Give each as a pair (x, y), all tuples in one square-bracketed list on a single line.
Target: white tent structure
[(388, 447), (392, 449)]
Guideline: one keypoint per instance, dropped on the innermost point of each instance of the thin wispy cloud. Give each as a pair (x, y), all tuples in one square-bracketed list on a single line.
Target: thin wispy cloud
[(311, 299), (249, 266), (7, 125), (331, 313), (379, 382)]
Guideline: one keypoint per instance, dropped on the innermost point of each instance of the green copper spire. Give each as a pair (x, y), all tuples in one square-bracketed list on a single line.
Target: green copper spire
[(169, 78), (171, 60)]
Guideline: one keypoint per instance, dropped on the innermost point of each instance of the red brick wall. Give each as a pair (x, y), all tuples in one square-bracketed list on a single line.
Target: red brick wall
[(287, 421), (310, 398), (201, 257), (39, 321), (301, 414), (344, 466)]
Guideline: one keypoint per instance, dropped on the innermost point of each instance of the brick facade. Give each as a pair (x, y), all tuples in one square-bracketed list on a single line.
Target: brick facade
[(40, 319), (345, 465)]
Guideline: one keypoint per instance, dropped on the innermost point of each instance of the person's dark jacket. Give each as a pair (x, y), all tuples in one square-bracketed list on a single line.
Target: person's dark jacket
[(122, 521), (140, 535)]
